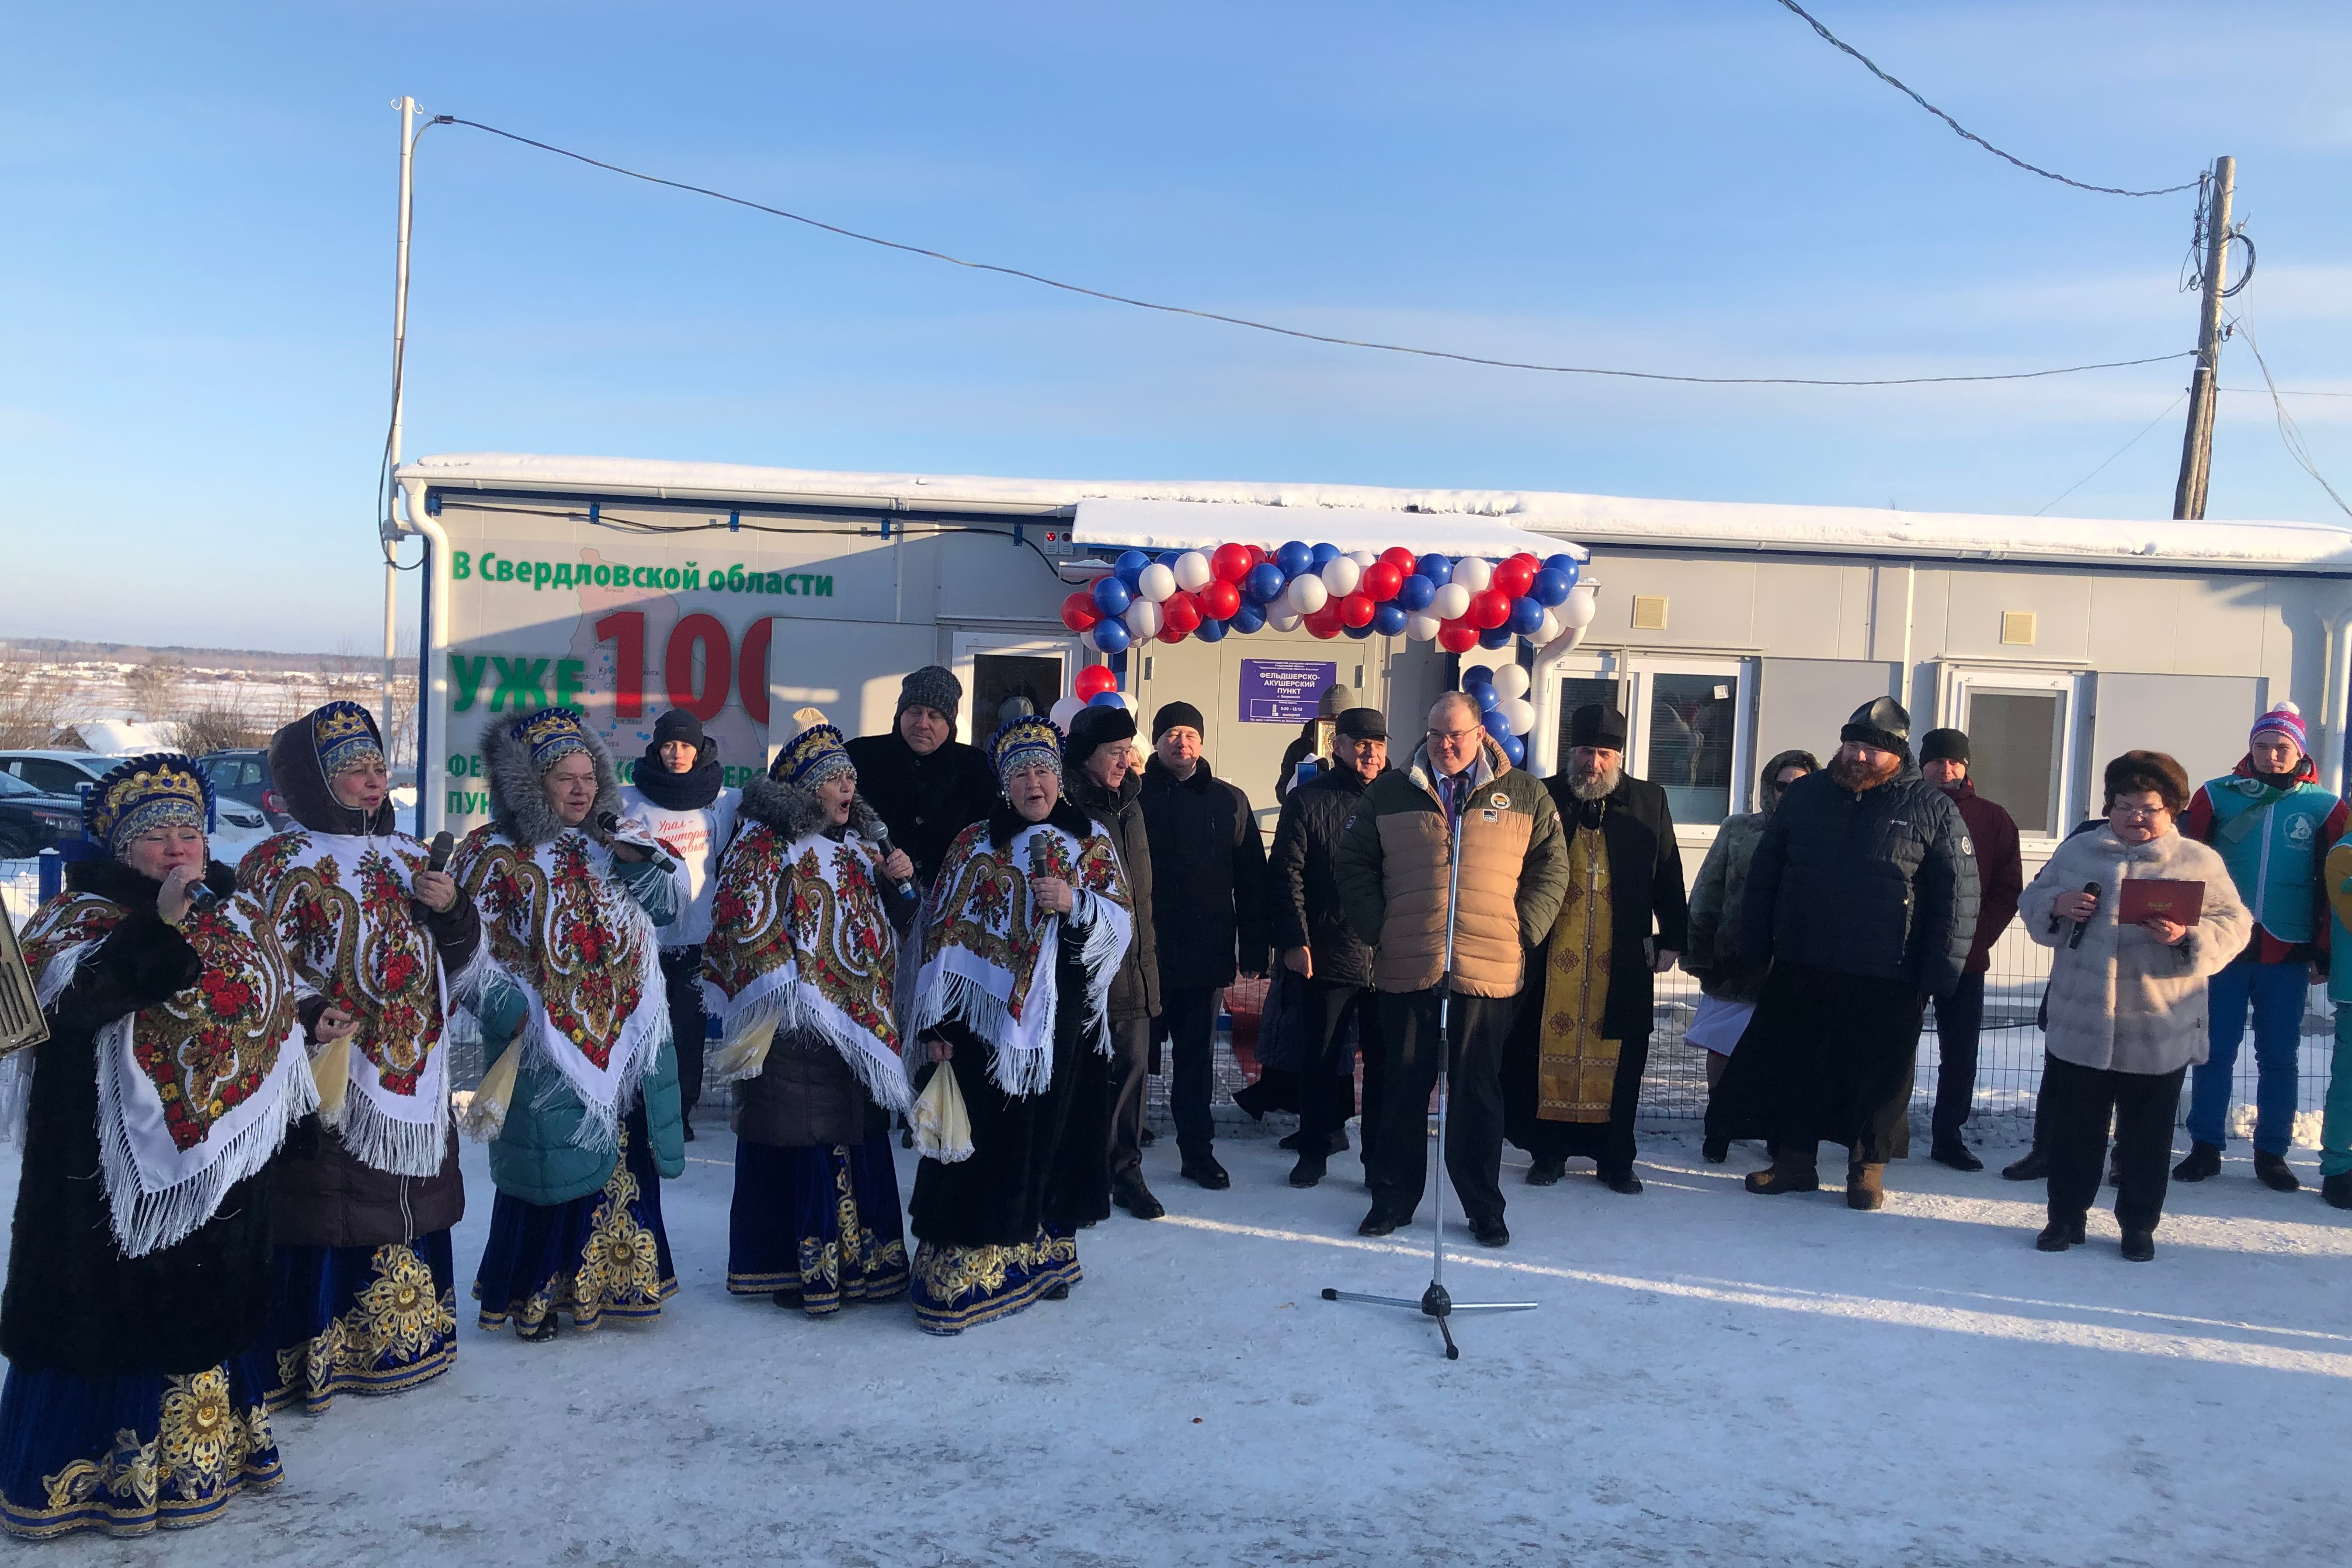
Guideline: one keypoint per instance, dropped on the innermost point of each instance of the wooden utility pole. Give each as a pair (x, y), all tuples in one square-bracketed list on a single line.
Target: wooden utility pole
[(2196, 444)]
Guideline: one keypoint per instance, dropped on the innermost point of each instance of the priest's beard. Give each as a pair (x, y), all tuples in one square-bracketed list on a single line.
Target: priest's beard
[(1592, 782), (1853, 773)]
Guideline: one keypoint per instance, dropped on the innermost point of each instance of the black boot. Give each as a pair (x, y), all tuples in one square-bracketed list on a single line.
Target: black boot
[(1715, 1151), (2272, 1172), (1379, 1222), (1953, 1152), (1865, 1186), (1623, 1181), (2060, 1234), (2204, 1160), (2034, 1166), (1059, 1291), (1294, 1141), (2140, 1246), (542, 1330), (1546, 1173), (1786, 1173), (789, 1298), (1136, 1198), (1490, 1231), (1205, 1170), (2337, 1190), (1307, 1171)]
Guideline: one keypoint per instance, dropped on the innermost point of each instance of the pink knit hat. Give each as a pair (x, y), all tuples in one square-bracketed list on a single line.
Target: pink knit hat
[(2285, 719)]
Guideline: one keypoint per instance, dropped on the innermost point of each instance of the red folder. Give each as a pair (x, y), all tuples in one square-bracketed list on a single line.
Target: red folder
[(2178, 902)]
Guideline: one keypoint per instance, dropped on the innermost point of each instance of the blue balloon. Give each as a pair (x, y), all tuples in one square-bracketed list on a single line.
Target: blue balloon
[(1551, 588), (1565, 565), (1325, 555), (1130, 565), (1477, 675), (1416, 593), (1389, 618), (1113, 595), (1247, 619), (1489, 699), (1211, 629), (1294, 557), (1109, 635), (1516, 749), (1103, 699), (1495, 637), (1498, 726), (1168, 558), (1266, 582), (1359, 633), (1438, 569), (1526, 614)]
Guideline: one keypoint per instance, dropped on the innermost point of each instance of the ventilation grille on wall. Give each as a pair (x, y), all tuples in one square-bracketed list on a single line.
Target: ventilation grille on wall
[(1649, 612), (2017, 628)]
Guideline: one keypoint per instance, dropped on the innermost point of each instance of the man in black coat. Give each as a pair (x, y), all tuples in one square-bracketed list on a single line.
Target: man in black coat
[(925, 784), (1324, 956), (1208, 912), (1863, 896), (1097, 776), (1572, 1069)]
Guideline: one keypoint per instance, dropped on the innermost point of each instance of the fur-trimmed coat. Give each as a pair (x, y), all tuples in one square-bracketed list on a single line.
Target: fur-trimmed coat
[(2120, 1000)]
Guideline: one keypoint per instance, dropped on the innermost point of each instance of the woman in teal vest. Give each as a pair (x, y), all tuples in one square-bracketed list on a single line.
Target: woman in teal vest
[(2274, 826)]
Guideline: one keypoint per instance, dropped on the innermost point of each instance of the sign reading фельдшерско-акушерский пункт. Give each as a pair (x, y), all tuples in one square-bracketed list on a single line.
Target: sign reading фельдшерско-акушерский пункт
[(690, 578), (1283, 691)]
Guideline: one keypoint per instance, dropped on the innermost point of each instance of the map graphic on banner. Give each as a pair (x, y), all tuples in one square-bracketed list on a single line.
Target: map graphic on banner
[(1283, 691)]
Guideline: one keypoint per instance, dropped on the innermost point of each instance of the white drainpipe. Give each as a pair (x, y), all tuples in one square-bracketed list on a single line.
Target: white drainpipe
[(433, 662), (1545, 756), (2339, 702)]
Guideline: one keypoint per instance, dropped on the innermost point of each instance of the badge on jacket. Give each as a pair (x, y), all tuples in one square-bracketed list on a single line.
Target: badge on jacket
[(1498, 801), (1967, 848)]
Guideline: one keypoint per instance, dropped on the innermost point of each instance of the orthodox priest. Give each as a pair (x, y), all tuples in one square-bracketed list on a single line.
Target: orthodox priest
[(1572, 1072), (1022, 935), (362, 1292)]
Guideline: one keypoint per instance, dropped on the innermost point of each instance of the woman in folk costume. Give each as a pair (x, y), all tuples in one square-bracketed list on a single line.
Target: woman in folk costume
[(802, 947), (581, 1107), (138, 1274), (363, 1293), (1022, 935)]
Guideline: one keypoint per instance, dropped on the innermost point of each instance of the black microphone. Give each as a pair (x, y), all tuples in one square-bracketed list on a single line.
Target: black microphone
[(2081, 925), (437, 858), (882, 842), (608, 824)]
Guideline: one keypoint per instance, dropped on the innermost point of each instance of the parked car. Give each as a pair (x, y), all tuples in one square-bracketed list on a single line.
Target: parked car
[(32, 819), (67, 773), (242, 779)]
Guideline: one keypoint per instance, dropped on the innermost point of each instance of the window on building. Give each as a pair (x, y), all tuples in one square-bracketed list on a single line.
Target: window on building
[(998, 678), (1690, 721), (1582, 691), (2016, 753)]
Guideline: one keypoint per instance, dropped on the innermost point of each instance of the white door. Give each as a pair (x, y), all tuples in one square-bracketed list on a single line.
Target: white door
[(997, 666)]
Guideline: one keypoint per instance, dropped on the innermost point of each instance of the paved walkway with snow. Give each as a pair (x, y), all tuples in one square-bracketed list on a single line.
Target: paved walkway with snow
[(1712, 1378)]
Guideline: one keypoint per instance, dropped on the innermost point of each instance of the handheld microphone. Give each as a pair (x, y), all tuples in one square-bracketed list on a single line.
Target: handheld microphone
[(204, 900), (882, 842), (2081, 925), (437, 858), (608, 824)]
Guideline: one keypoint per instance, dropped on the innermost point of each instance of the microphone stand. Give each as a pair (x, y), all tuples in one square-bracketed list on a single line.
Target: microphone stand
[(1436, 1301)]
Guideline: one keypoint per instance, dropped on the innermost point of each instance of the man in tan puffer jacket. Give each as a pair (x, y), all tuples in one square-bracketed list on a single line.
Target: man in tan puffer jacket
[(1395, 871)]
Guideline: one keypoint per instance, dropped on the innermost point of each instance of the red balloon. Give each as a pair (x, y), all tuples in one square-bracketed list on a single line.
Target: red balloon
[(1356, 609), (1324, 622), (1258, 557), (1231, 563), (1180, 614), (1403, 559), (1221, 601), (1170, 634), (1489, 608), (1382, 580), (1095, 680), (1078, 611), (1515, 576), (1457, 636)]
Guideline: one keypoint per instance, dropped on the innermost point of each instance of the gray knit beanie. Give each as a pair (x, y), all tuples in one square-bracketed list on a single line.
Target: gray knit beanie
[(933, 686)]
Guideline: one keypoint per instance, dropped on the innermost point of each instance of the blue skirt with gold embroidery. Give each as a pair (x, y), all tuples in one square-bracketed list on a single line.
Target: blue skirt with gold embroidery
[(957, 1288), (604, 1255), (821, 1220), (128, 1455), (360, 1319)]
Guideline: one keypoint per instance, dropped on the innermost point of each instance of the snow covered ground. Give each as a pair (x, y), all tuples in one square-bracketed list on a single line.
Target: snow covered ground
[(1711, 1378)]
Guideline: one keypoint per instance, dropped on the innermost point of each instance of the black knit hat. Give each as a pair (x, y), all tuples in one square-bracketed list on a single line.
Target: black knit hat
[(1597, 725), (933, 686), (1092, 728), (1171, 714), (677, 725), (1881, 722), (1944, 746)]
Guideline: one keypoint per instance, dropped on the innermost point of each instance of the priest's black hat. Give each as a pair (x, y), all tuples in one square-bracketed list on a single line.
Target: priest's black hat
[(1597, 725)]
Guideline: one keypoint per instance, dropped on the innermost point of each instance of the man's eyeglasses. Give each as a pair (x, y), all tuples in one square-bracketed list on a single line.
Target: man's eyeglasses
[(1455, 735)]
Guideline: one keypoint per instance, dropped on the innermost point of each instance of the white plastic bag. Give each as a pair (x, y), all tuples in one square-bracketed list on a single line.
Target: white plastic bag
[(942, 1130)]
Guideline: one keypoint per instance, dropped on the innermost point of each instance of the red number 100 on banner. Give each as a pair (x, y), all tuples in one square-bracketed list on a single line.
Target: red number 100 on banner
[(721, 663)]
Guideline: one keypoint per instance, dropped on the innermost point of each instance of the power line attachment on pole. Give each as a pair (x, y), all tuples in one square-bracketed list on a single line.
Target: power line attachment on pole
[(2214, 236)]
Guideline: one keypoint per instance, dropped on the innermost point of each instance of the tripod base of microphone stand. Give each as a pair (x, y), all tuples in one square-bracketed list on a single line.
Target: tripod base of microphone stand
[(1435, 1302)]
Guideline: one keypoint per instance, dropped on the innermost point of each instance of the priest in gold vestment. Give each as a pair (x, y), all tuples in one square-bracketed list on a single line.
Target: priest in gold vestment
[(1572, 1072)]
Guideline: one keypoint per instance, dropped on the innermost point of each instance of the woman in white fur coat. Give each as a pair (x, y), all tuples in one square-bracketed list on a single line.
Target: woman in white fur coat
[(2128, 1016)]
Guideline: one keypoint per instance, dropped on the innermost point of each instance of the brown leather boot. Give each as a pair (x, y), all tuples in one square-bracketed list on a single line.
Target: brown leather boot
[(1786, 1173), (1865, 1186)]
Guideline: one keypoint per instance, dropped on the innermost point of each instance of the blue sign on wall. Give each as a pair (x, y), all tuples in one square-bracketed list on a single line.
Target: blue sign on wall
[(1283, 691)]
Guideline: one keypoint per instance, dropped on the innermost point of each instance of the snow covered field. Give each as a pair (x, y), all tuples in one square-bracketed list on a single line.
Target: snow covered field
[(1712, 1378)]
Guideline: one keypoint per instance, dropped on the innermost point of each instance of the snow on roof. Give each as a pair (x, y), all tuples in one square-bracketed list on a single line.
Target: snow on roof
[(1493, 521)]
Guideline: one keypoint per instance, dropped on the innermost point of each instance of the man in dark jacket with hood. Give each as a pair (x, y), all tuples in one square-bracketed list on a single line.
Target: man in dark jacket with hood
[(1863, 897), (1097, 770), (2000, 878), (925, 784), (1208, 916), (1324, 956)]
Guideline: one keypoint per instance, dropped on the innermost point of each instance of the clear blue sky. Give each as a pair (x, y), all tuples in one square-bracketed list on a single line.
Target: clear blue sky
[(194, 291)]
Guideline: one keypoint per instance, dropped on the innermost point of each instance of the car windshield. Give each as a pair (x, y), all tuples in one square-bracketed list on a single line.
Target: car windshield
[(12, 785)]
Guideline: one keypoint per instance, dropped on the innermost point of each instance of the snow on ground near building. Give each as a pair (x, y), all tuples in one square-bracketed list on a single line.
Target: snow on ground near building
[(1712, 1378)]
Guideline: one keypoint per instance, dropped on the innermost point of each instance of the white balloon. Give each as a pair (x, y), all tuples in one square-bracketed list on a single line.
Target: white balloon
[(1577, 611), (1156, 583), (1340, 575), (1512, 681), (1306, 594), (1474, 572), (1143, 617), (1362, 557), (1127, 702), (1518, 713), (1549, 632), (1452, 600), (1192, 572), (1421, 626), (1283, 620), (1064, 711)]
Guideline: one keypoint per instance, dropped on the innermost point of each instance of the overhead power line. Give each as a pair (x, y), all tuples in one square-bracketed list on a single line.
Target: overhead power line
[(2290, 433), (2118, 451), (1963, 132), (1292, 331)]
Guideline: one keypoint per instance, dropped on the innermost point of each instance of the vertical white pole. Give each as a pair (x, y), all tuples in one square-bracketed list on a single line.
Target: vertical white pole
[(399, 342)]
